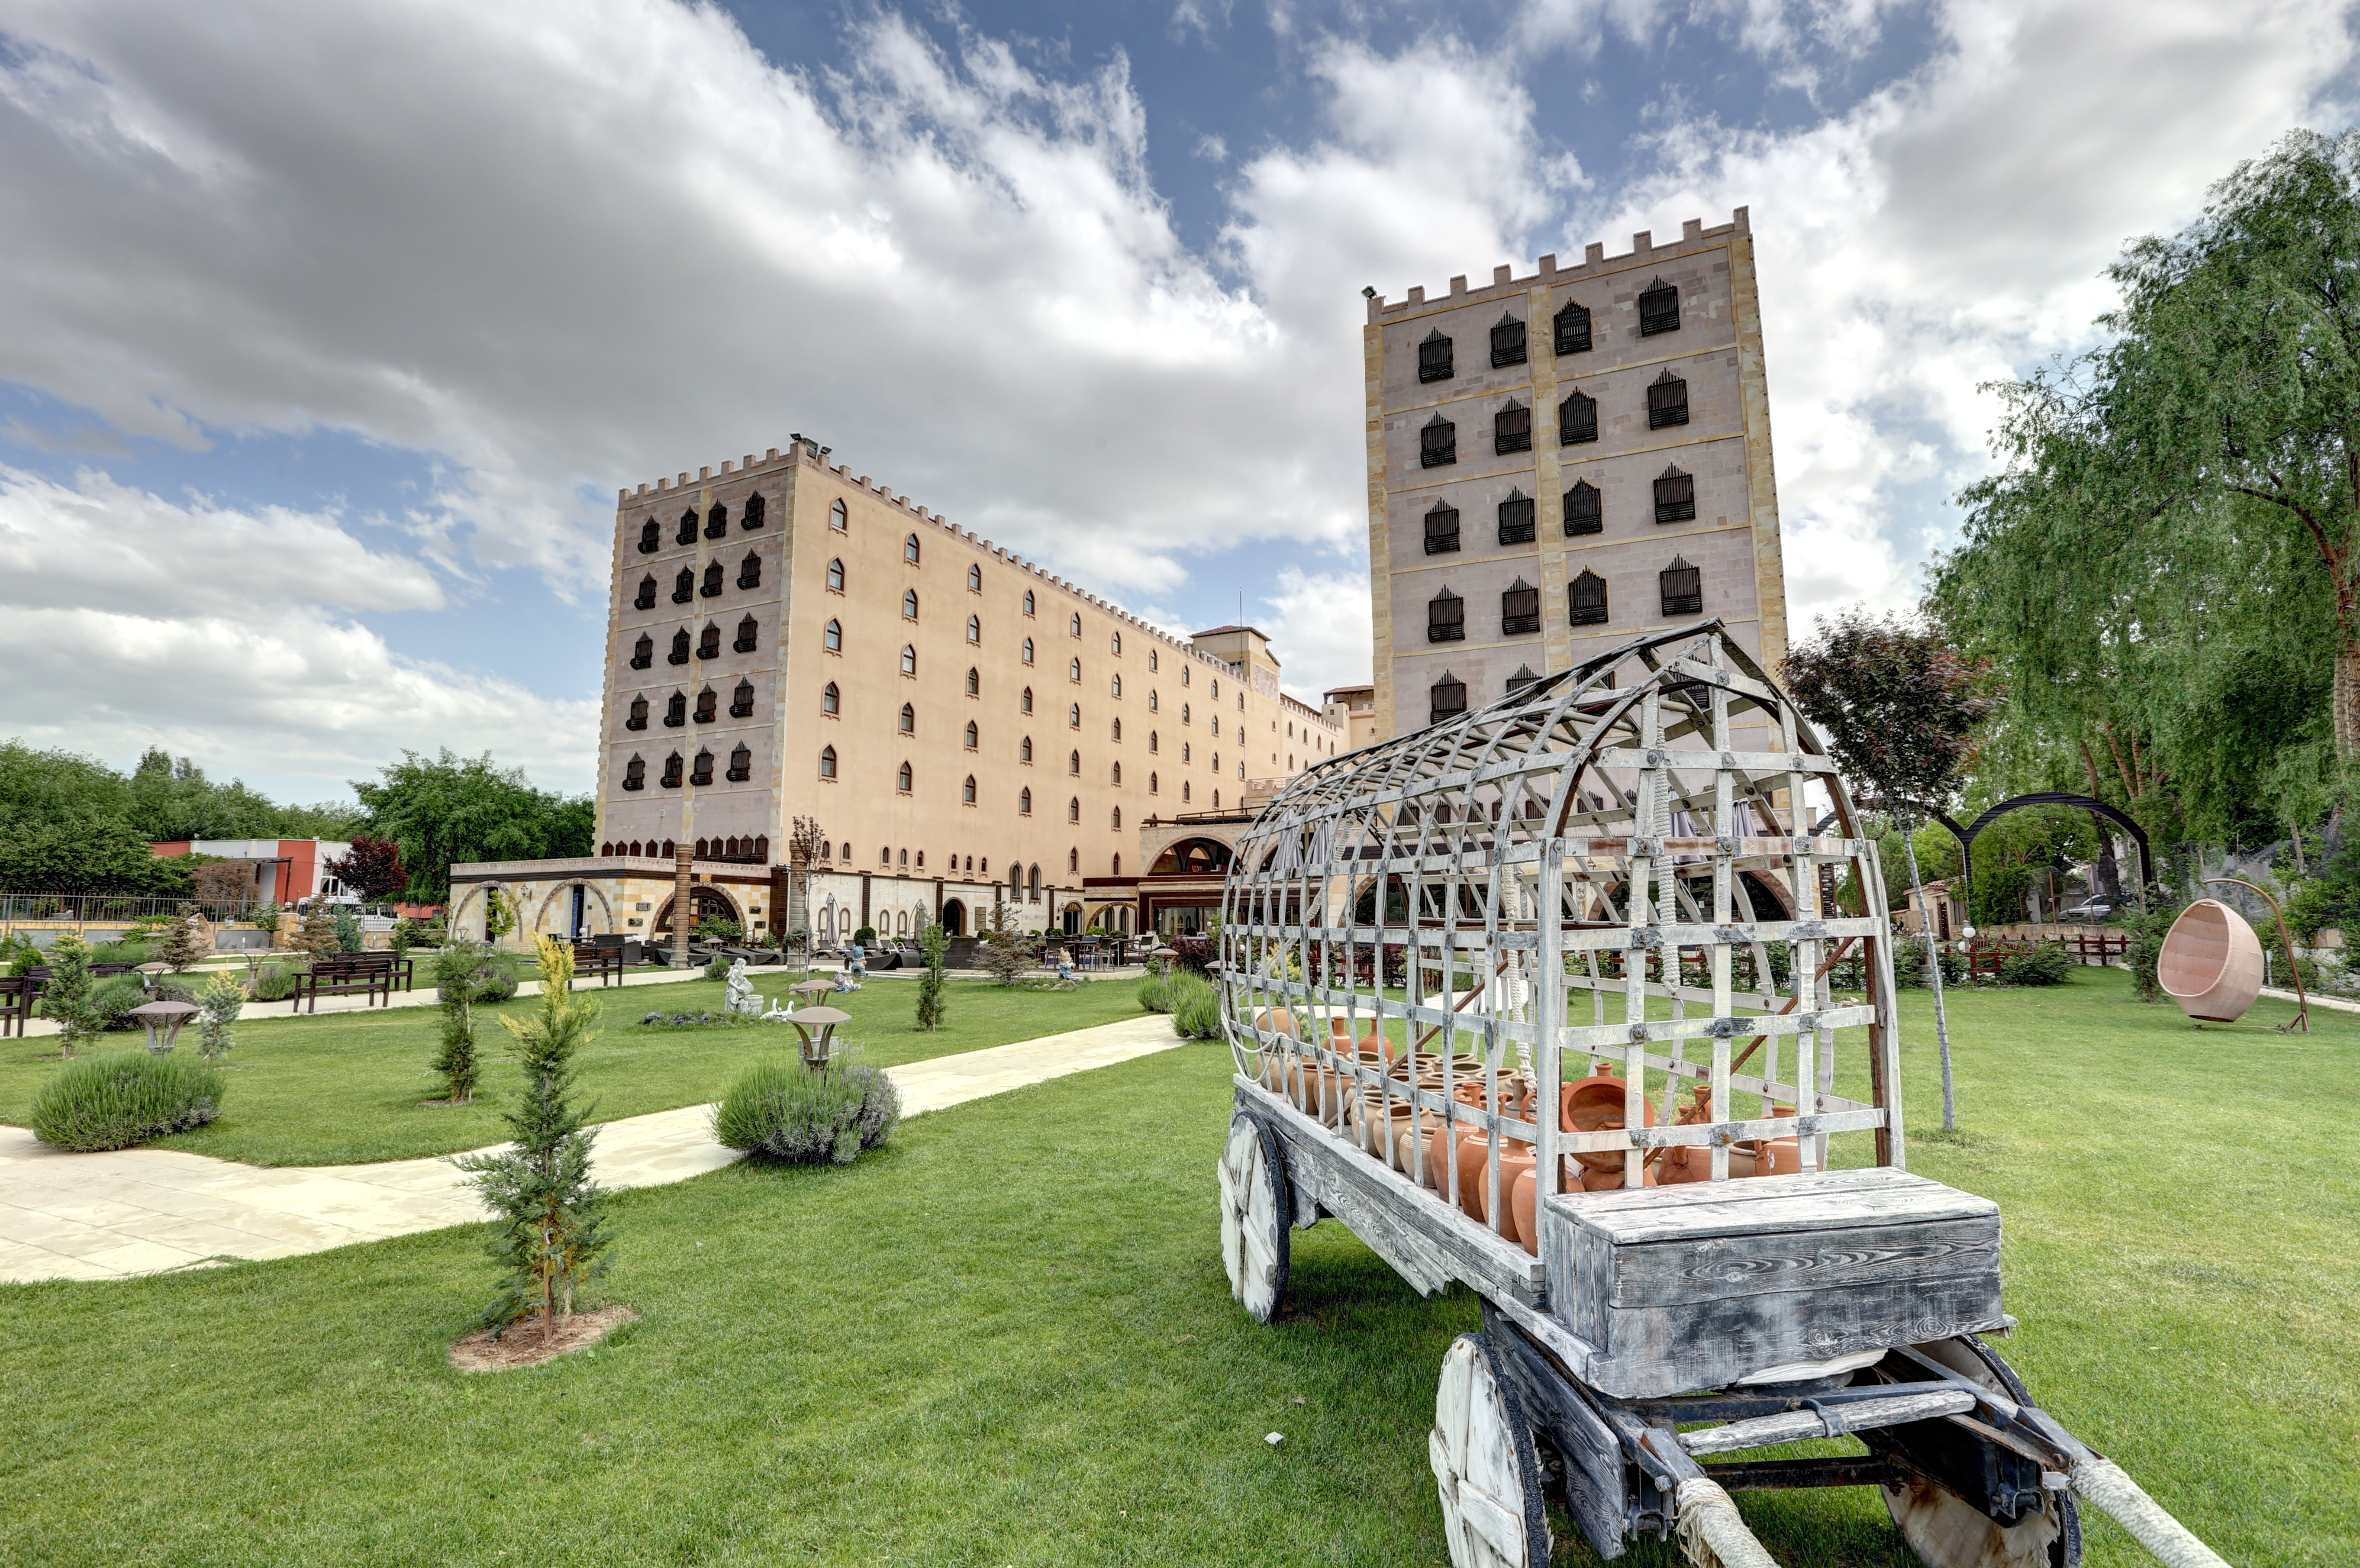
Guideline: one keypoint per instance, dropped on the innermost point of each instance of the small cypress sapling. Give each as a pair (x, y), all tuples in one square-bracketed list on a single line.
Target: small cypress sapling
[(348, 932), (217, 1009), (553, 1236), (458, 979), (937, 945), (179, 946), (66, 997)]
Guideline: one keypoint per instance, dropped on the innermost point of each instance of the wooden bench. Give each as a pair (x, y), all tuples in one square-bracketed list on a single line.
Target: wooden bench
[(346, 974), (17, 994), (607, 963), (2101, 948)]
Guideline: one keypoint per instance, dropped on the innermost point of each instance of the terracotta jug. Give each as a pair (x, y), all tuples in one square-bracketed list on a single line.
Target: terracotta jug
[(1523, 1206), (1595, 1104)]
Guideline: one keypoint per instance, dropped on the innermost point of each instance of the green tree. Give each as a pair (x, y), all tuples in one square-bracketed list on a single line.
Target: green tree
[(937, 945), (181, 946), (372, 868), (1898, 708), (66, 997), (458, 971), (448, 808), (551, 1235), (218, 1006)]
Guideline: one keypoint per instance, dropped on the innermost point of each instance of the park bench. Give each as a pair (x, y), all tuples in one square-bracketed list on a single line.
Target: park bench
[(346, 974), (16, 995), (607, 963)]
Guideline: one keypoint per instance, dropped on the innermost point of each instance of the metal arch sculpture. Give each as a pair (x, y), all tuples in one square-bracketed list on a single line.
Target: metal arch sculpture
[(2056, 798)]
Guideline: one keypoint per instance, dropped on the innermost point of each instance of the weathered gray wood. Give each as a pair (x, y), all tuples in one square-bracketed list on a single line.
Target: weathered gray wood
[(1596, 1490), (1793, 1426), (1677, 1272), (1484, 1467), (1810, 1201)]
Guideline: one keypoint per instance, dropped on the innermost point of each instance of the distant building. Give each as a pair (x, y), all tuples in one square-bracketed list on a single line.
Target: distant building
[(1559, 461), (1354, 709), (284, 869)]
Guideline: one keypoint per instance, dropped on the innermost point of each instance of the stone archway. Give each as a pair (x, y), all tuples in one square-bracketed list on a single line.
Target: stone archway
[(563, 890), (953, 918), (706, 902)]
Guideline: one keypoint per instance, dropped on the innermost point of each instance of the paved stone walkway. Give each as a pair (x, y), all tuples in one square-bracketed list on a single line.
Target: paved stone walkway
[(109, 1216)]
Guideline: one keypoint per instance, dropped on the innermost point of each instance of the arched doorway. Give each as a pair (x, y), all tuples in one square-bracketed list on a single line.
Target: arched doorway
[(707, 904), (1072, 922), (953, 918), (1192, 857)]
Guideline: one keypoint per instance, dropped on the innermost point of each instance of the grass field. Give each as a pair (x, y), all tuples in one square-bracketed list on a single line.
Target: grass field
[(1006, 1339), (350, 1086)]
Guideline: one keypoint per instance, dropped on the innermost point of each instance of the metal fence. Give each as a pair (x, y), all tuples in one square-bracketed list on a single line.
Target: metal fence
[(110, 909)]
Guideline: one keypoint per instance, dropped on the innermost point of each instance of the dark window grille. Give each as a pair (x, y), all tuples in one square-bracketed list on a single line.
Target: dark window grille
[(1507, 341), (687, 534), (1441, 530), (708, 643), (716, 523), (1434, 358), (1683, 588), (741, 764), (1573, 329), (650, 537), (712, 581), (1523, 677), (676, 710), (1577, 420), (635, 774), (679, 654), (749, 634), (749, 573), (1520, 608), (671, 779), (643, 652), (1674, 495), (1447, 698), (752, 517), (708, 706), (1583, 513), (1517, 525), (683, 587), (638, 719), (741, 701), (701, 773), (1659, 309), (1668, 401), (1512, 429), (647, 599), (1446, 618), (1586, 599), (1438, 444)]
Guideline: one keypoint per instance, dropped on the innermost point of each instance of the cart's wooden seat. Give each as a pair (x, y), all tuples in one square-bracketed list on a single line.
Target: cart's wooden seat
[(1702, 1285)]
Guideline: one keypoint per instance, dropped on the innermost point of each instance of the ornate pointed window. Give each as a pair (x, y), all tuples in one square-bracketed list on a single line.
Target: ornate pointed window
[(1438, 444), (1573, 329), (1114, 646), (712, 588), (1074, 670), (909, 659), (1582, 510), (643, 652), (687, 534), (1024, 802), (904, 779), (651, 541), (1074, 764), (1026, 653), (1445, 617), (974, 629), (1586, 599), (749, 632), (1516, 523), (966, 791), (1025, 705), (1028, 601), (683, 587), (1074, 717), (708, 641), (1025, 750), (835, 576), (1577, 420), (832, 637), (1434, 357), (1512, 429), (1521, 679), (752, 518), (1520, 608), (708, 706), (973, 735), (1507, 340), (1659, 309), (700, 773), (910, 603), (909, 720), (750, 571), (1115, 688), (828, 761), (974, 681), (741, 763), (1442, 529), (974, 579), (830, 701), (671, 779), (647, 599), (1683, 588), (1074, 809), (910, 550), (634, 773), (741, 701), (1674, 495), (1668, 401), (679, 654), (837, 519), (1075, 627), (638, 719), (1447, 698)]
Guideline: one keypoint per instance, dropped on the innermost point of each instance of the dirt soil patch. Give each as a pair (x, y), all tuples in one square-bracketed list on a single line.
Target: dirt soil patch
[(522, 1344)]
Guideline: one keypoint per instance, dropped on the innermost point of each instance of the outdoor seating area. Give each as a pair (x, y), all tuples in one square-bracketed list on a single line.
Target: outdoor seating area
[(374, 975)]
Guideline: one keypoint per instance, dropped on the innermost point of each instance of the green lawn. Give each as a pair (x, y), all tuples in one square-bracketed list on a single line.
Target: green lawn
[(349, 1087), (1006, 1339)]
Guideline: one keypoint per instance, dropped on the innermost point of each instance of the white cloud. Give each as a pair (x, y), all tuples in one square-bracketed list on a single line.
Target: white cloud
[(1320, 629)]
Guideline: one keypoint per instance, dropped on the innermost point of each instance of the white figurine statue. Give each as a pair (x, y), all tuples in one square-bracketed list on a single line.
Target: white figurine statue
[(741, 1001)]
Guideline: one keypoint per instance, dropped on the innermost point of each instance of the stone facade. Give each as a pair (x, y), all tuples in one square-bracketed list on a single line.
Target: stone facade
[(1721, 448)]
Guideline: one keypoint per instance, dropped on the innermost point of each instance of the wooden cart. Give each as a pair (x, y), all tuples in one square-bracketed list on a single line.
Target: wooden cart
[(1603, 900)]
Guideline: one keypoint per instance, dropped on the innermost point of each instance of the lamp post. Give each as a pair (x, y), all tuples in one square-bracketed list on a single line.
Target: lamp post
[(165, 1016), (150, 971), (824, 1019)]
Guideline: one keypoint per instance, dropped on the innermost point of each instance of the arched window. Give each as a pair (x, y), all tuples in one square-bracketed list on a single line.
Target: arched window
[(712, 588), (1036, 884), (909, 659), (1154, 741), (1074, 717), (1073, 764), (1153, 784), (1583, 512), (650, 537), (1577, 420), (1072, 860), (1074, 670), (835, 576), (1183, 792), (973, 735), (1024, 803), (910, 603), (1668, 401), (902, 779), (635, 774), (836, 518), (1184, 674), (638, 719), (1118, 729), (974, 629), (1659, 309), (643, 652), (1027, 703), (1152, 662), (1184, 713), (833, 637), (1116, 645), (1028, 601), (754, 510), (683, 587), (647, 599), (708, 641), (1077, 625), (750, 571), (1184, 750), (1115, 820), (672, 765), (1118, 686), (1586, 599), (741, 763), (974, 681), (966, 791), (909, 720), (708, 706), (716, 523), (1153, 703), (975, 579), (1027, 654), (687, 534), (676, 710), (830, 701), (741, 701), (910, 550), (1025, 750), (1074, 809), (1118, 772)]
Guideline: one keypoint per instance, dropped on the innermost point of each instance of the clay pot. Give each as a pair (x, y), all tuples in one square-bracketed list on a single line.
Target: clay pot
[(1339, 1031), (1276, 1021), (1523, 1207), (2211, 962), (1595, 1104), (1772, 1156)]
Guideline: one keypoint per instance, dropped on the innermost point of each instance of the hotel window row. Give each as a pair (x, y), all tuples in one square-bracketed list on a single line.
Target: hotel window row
[(1576, 423), (1679, 587), (716, 525), (1585, 512), (1659, 312), (707, 645)]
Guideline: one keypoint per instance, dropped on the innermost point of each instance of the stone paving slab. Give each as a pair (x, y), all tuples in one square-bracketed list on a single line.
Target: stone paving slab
[(133, 1212)]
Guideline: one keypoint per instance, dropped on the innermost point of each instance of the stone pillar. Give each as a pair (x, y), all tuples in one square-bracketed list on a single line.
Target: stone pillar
[(683, 900)]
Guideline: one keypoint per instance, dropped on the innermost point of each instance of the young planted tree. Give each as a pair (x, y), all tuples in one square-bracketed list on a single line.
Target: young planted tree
[(181, 945), (458, 980), (553, 1236), (372, 868), (318, 935), (1005, 950), (807, 850), (1899, 707), (66, 997), (937, 945), (217, 1008)]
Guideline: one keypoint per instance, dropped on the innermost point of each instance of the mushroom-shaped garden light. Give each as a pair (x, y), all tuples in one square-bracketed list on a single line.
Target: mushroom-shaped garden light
[(162, 1020), (824, 1020)]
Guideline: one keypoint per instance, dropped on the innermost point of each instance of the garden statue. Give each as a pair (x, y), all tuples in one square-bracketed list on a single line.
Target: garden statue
[(741, 1001)]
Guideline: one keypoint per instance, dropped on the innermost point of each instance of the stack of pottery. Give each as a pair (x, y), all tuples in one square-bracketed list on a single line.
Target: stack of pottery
[(1291, 1076), (1755, 1156), (1592, 1104), (1467, 1147)]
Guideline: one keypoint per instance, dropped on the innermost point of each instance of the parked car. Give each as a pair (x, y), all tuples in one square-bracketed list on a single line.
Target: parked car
[(2100, 908)]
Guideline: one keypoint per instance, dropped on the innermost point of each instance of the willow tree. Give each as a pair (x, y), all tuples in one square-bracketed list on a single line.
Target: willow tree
[(2169, 568)]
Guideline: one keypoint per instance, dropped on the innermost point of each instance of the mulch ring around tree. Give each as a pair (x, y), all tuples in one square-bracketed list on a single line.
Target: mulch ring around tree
[(521, 1343)]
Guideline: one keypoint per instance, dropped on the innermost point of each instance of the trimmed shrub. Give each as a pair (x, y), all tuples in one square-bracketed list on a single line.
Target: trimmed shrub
[(115, 1101), (2047, 964), (112, 999), (1196, 1007), (348, 932), (866, 936), (274, 982), (783, 1111), (718, 967), (1152, 989)]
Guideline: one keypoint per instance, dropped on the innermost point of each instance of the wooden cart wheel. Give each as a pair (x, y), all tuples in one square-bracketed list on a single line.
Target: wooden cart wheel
[(1947, 1531), (1254, 1212), (1494, 1509)]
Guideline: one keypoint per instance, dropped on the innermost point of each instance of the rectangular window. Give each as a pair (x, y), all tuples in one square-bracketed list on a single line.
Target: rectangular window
[(1586, 599), (1676, 498), (1437, 444), (1520, 611), (1507, 344), (1517, 522), (1683, 589), (1434, 359), (1512, 431), (1442, 531), (1659, 309), (1577, 420), (1668, 402), (1582, 510), (1450, 700), (1573, 330), (1445, 620)]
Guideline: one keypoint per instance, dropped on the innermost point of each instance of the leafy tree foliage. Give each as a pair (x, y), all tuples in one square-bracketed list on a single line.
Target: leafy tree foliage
[(372, 868), (447, 808), (937, 945)]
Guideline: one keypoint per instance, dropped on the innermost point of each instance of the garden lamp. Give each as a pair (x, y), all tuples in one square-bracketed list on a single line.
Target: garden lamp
[(824, 1019), (165, 1016), (151, 971), (812, 990)]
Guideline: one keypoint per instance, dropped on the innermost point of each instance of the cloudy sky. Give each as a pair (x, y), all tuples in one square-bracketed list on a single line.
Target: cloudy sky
[(328, 333)]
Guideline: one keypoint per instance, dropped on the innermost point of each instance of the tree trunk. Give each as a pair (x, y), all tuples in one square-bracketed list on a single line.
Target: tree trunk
[(1933, 978), (2105, 874), (2347, 702)]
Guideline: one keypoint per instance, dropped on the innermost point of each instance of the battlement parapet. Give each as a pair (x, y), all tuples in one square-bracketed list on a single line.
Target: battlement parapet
[(1504, 283)]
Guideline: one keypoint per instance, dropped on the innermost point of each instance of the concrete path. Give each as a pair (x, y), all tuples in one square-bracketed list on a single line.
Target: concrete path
[(108, 1216)]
